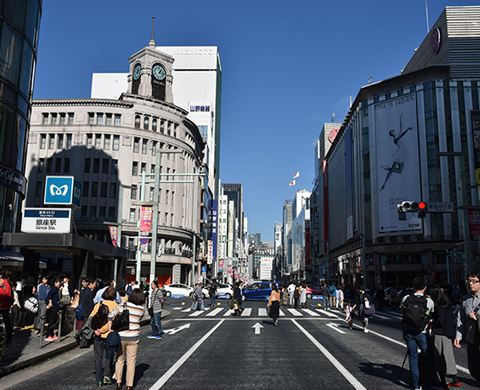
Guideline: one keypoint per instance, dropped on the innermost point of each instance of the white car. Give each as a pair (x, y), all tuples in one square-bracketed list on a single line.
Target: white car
[(177, 289), (222, 289)]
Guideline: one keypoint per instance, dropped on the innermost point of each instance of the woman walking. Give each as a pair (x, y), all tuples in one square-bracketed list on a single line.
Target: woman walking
[(103, 366), (274, 304), (53, 305), (363, 303), (443, 332), (303, 296), (129, 338)]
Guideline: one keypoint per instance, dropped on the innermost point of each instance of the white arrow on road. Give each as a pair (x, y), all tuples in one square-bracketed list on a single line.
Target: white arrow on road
[(257, 327), (176, 330), (335, 327)]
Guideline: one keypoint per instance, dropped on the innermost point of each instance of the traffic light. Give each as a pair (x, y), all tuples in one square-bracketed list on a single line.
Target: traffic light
[(422, 210), (413, 207)]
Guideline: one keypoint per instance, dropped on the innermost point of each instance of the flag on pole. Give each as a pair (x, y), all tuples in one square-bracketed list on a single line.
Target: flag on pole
[(292, 183), (296, 175)]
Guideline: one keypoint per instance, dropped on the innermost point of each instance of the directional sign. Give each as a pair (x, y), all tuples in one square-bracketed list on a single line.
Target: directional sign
[(257, 327), (440, 207), (176, 330)]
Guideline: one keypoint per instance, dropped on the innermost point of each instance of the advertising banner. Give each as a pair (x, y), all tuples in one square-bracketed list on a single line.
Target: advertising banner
[(146, 219), (474, 218), (220, 265), (476, 143), (397, 162), (113, 235), (210, 252)]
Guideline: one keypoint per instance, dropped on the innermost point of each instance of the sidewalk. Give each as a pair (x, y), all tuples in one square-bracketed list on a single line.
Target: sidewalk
[(24, 349)]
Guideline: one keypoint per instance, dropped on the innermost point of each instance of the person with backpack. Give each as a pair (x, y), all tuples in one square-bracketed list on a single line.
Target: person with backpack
[(416, 309), (443, 332), (99, 314), (468, 324)]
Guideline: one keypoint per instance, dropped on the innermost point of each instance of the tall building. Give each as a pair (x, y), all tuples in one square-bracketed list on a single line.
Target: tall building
[(234, 192), (19, 23), (127, 152), (287, 225)]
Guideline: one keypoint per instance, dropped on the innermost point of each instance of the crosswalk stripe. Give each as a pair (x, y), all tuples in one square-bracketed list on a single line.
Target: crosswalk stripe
[(177, 308), (262, 312), (185, 310), (215, 312), (295, 312), (195, 313), (380, 316), (282, 314), (247, 312), (327, 313), (311, 312), (229, 312)]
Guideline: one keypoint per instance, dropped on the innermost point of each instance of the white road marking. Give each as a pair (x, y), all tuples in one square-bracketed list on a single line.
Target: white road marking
[(177, 308), (282, 314), (196, 313), (185, 310), (165, 377), (327, 313), (215, 312), (229, 312), (296, 313), (257, 327), (380, 316), (247, 312), (394, 314), (311, 312), (335, 327), (262, 312), (349, 377), (176, 330)]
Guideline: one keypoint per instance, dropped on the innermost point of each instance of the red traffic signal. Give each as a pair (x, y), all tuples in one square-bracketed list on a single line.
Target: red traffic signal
[(422, 205)]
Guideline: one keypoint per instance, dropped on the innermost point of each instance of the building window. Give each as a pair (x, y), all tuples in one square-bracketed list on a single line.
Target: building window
[(105, 165), (134, 168), (71, 117), (154, 148), (69, 141), (111, 214), (102, 212), (113, 190), (54, 119), (133, 193), (45, 119), (116, 142), (51, 141), (152, 169), (99, 119), (96, 165), (108, 119), (114, 169), (85, 189), (62, 118), (98, 141), (144, 146), (117, 119), (60, 141), (144, 167), (38, 188), (151, 194), (89, 141), (132, 215), (66, 168), (137, 121), (146, 123), (49, 165), (154, 124), (166, 197), (103, 190), (91, 118), (106, 142), (94, 189), (87, 165), (136, 145), (93, 212), (162, 126), (43, 141), (41, 163), (84, 212)]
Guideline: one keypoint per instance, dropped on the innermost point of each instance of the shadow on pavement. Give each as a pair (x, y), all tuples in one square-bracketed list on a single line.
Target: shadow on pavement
[(139, 372), (389, 372)]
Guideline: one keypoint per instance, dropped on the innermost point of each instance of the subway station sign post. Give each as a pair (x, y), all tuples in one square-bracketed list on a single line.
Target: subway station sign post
[(63, 190)]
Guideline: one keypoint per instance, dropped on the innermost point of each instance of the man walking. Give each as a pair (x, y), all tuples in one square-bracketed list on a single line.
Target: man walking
[(333, 295), (198, 295), (291, 290), (325, 296), (416, 309), (468, 325), (156, 306)]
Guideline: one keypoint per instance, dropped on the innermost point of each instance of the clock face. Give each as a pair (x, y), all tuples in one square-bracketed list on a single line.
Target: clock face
[(435, 41), (136, 72), (158, 72)]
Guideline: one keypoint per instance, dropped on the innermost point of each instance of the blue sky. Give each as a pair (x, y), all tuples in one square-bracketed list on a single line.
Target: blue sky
[(287, 66)]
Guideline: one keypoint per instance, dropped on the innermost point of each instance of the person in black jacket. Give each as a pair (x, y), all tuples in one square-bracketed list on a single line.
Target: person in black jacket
[(443, 331), (87, 299)]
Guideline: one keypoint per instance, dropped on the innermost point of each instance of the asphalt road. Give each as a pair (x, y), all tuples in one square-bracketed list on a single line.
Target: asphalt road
[(309, 349)]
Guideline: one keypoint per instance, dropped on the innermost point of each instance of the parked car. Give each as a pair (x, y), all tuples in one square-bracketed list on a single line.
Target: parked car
[(313, 289), (178, 289), (258, 291), (222, 289)]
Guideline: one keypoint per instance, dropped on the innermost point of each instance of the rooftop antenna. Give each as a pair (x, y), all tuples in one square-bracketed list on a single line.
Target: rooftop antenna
[(333, 117), (426, 11), (370, 79), (152, 43)]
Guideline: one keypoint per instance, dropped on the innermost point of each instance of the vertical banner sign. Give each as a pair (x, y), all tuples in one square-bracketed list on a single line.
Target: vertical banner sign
[(113, 235), (325, 205), (214, 228), (474, 218), (210, 252), (220, 265), (397, 162), (146, 219), (229, 269), (476, 143)]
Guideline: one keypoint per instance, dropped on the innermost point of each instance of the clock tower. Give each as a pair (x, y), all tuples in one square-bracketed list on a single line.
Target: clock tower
[(151, 74)]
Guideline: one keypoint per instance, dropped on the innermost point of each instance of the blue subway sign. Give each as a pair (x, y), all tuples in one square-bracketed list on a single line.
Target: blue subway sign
[(63, 190)]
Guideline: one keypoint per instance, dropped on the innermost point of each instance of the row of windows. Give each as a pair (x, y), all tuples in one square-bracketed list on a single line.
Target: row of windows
[(108, 141), (107, 119), (161, 125), (101, 213), (92, 165), (64, 141), (55, 141), (102, 190), (54, 165), (62, 118), (166, 218)]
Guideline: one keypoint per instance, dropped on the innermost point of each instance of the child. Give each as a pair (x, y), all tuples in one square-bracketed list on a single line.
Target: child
[(350, 313)]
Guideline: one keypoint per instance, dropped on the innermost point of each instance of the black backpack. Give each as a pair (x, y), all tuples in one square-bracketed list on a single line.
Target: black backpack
[(416, 315), (100, 317)]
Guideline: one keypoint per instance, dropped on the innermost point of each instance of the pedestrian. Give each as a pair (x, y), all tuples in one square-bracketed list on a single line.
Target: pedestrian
[(303, 296), (393, 297), (66, 292), (332, 292), (129, 288), (108, 283), (296, 296), (350, 314), (194, 297), (123, 294), (155, 310), (291, 291), (417, 310), (42, 291), (129, 338), (198, 294), (468, 324), (87, 299), (5, 304), (443, 332), (212, 290), (274, 304), (363, 303), (325, 296), (379, 297), (284, 295), (339, 297), (15, 308), (53, 306), (236, 300), (103, 366)]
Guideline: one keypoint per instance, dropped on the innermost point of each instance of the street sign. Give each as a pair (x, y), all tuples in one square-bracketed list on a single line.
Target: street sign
[(36, 220), (63, 190), (440, 207), (144, 240)]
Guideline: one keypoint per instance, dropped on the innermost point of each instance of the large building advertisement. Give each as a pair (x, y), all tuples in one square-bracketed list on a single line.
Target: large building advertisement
[(398, 176)]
